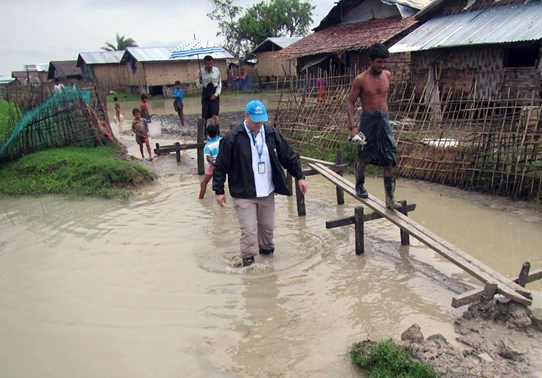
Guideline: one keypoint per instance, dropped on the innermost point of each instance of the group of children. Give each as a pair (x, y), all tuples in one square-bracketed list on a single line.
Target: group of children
[(140, 128)]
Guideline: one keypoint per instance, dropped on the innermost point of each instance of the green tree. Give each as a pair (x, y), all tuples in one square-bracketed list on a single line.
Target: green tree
[(243, 31), (122, 44)]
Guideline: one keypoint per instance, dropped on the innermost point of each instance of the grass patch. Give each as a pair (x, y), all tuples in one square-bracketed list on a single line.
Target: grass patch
[(7, 110), (388, 360), (74, 171)]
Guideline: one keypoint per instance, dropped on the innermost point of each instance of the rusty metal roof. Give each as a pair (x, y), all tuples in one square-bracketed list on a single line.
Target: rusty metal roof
[(347, 37), (503, 24)]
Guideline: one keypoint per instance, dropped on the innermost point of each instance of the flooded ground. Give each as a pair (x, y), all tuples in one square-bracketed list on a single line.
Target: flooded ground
[(147, 288), (230, 102)]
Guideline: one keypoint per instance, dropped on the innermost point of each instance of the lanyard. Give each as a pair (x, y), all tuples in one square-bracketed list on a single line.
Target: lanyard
[(259, 149)]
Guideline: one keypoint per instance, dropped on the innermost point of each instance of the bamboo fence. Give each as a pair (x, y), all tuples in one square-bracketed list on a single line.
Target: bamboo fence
[(40, 119), (490, 144)]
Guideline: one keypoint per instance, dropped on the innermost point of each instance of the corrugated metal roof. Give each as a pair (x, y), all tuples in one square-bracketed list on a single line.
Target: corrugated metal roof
[(284, 41), (501, 24), (158, 54), (281, 42), (6, 79), (101, 57)]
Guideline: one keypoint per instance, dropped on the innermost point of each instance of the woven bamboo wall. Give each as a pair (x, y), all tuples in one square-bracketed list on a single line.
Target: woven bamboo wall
[(269, 65), (492, 144)]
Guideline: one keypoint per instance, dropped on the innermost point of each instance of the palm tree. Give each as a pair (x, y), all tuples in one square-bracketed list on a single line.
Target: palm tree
[(122, 44)]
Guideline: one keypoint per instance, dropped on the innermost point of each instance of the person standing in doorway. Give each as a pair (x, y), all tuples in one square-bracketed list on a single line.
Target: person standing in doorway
[(210, 81), (253, 157), (371, 87), (178, 102)]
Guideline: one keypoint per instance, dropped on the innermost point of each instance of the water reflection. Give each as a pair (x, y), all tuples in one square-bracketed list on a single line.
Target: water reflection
[(148, 288)]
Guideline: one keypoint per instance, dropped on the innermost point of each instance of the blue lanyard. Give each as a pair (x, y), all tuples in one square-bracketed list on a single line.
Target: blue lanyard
[(259, 150)]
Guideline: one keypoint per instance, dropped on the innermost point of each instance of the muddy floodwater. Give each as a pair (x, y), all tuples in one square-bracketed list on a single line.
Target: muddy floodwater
[(148, 287)]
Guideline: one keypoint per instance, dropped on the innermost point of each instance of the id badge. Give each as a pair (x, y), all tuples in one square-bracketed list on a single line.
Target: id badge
[(261, 167)]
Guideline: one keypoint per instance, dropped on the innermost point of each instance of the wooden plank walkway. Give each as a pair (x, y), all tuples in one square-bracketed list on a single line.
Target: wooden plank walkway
[(487, 275)]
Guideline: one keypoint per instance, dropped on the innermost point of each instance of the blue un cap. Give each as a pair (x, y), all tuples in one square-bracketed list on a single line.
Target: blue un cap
[(256, 111)]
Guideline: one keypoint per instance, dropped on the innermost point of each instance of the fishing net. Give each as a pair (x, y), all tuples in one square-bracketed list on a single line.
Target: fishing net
[(67, 118)]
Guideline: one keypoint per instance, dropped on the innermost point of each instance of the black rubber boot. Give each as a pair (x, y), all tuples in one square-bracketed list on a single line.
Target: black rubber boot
[(389, 186), (264, 251), (248, 261), (360, 190)]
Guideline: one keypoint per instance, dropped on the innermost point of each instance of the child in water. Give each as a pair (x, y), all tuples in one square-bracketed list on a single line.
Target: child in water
[(211, 152), (141, 131)]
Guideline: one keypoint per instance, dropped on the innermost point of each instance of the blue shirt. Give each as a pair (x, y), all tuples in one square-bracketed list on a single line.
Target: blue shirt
[(211, 148), (178, 93)]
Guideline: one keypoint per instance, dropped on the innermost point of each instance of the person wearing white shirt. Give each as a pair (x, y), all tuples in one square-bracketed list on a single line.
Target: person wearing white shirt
[(253, 157), (210, 81)]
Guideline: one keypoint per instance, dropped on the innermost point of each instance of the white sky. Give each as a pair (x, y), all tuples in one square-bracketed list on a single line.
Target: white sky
[(37, 31)]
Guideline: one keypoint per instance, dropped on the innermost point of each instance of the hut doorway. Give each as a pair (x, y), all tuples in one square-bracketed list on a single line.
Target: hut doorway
[(156, 90)]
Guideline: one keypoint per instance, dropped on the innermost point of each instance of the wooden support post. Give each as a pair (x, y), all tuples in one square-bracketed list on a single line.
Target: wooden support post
[(289, 181), (157, 150), (405, 237), (200, 136), (523, 274), (178, 151), (300, 199), (360, 245), (340, 191), (487, 293)]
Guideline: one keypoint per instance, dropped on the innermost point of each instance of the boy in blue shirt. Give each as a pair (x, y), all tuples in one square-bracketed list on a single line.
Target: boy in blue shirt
[(178, 103), (211, 152)]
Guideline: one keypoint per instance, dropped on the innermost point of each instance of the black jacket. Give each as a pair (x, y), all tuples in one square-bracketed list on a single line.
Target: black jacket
[(235, 160)]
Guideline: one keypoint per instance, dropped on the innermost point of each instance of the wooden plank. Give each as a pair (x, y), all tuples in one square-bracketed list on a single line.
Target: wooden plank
[(360, 237), (447, 250), (488, 291), (533, 276), (366, 218), (336, 168), (339, 160), (523, 274), (325, 162)]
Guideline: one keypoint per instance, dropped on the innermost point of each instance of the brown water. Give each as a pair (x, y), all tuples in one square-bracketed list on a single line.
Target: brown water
[(146, 288)]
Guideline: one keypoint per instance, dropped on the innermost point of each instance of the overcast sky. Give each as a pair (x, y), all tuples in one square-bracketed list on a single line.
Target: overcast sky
[(37, 31)]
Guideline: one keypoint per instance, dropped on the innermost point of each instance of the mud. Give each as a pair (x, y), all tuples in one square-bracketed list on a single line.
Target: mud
[(170, 125), (493, 339)]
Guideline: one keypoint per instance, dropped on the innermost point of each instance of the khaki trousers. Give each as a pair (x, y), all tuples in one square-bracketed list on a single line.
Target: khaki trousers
[(257, 221)]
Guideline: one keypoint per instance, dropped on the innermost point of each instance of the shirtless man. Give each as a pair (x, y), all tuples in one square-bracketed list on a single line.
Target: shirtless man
[(372, 88)]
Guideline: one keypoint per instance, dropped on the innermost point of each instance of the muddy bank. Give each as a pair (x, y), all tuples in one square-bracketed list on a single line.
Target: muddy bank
[(170, 125), (493, 339)]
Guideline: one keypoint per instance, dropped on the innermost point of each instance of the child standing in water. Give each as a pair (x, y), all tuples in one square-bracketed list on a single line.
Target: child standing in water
[(117, 109), (178, 103), (211, 152), (141, 131), (144, 107)]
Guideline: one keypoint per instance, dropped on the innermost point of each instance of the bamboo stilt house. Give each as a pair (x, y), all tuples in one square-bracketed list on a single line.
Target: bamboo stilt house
[(493, 44), (271, 67), (104, 70)]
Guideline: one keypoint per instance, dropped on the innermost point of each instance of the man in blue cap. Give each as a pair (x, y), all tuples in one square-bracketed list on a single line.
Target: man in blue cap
[(254, 156)]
